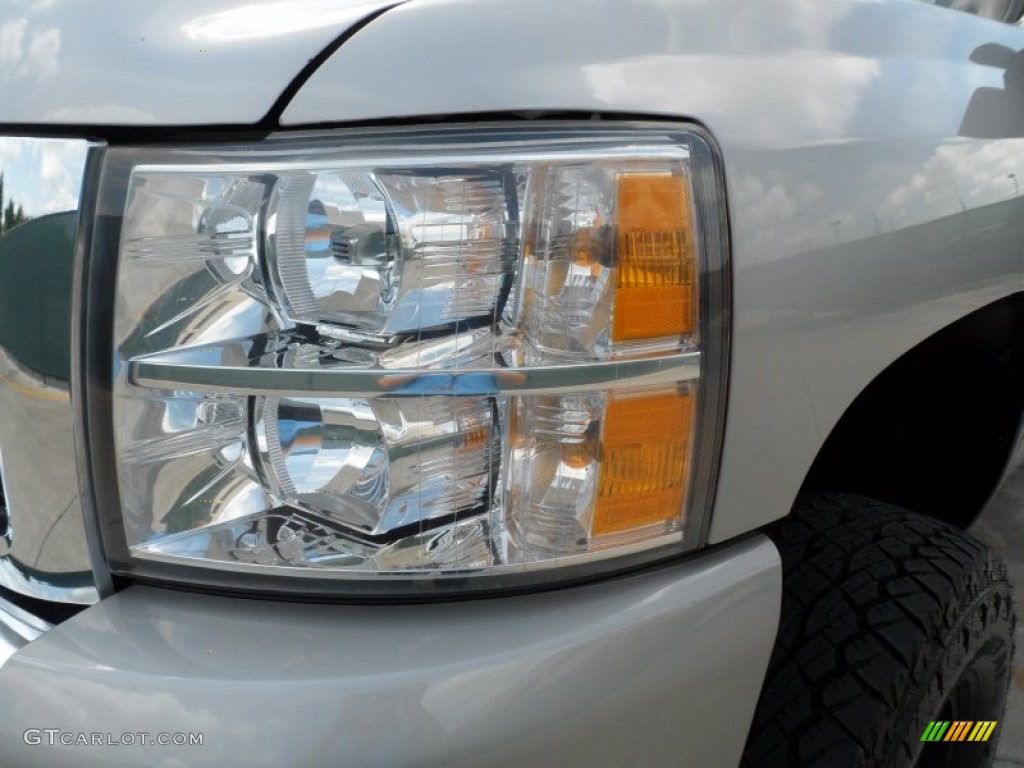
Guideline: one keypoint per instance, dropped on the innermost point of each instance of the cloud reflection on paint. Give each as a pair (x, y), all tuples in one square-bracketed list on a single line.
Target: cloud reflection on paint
[(257, 22), (29, 50)]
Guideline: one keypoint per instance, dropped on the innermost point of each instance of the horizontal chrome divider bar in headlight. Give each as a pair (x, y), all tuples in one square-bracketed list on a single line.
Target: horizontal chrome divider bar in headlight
[(179, 369)]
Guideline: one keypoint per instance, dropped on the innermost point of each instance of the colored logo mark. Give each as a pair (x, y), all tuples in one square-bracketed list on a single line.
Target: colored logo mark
[(959, 730)]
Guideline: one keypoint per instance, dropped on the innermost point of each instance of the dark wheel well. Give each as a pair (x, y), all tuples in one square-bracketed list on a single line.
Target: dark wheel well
[(933, 432)]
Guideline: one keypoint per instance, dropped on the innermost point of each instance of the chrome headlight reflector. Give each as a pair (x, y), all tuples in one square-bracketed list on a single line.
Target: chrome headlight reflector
[(390, 250), (443, 356)]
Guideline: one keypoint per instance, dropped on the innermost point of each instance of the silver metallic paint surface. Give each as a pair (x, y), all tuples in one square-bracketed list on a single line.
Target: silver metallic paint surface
[(873, 157), (122, 62), (654, 669), (44, 552)]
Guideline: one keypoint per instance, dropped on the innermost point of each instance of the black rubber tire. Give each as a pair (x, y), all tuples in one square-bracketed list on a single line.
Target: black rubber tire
[(889, 619)]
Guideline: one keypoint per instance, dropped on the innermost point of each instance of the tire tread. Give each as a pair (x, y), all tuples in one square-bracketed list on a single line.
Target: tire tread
[(872, 596)]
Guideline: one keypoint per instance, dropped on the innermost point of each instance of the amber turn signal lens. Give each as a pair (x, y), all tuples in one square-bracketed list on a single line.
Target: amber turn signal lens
[(645, 456), (654, 294)]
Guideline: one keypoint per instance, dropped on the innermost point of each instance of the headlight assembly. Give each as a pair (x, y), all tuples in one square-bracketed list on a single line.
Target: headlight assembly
[(409, 360)]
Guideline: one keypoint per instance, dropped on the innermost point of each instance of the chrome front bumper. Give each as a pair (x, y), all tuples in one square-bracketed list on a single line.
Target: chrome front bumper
[(18, 628), (44, 551), (660, 668)]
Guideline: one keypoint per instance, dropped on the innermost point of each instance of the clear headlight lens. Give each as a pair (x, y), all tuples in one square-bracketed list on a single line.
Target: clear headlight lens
[(416, 354), (390, 252), (379, 465)]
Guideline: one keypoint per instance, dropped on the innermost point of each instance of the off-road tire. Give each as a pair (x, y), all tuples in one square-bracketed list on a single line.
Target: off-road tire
[(889, 620)]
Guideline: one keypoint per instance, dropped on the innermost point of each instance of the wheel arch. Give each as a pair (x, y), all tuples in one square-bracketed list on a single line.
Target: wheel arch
[(934, 432)]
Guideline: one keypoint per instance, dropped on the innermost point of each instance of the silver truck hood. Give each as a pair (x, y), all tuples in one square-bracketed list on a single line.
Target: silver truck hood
[(190, 62)]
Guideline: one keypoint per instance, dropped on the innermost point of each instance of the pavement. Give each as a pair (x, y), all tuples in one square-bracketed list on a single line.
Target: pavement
[(1002, 528)]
